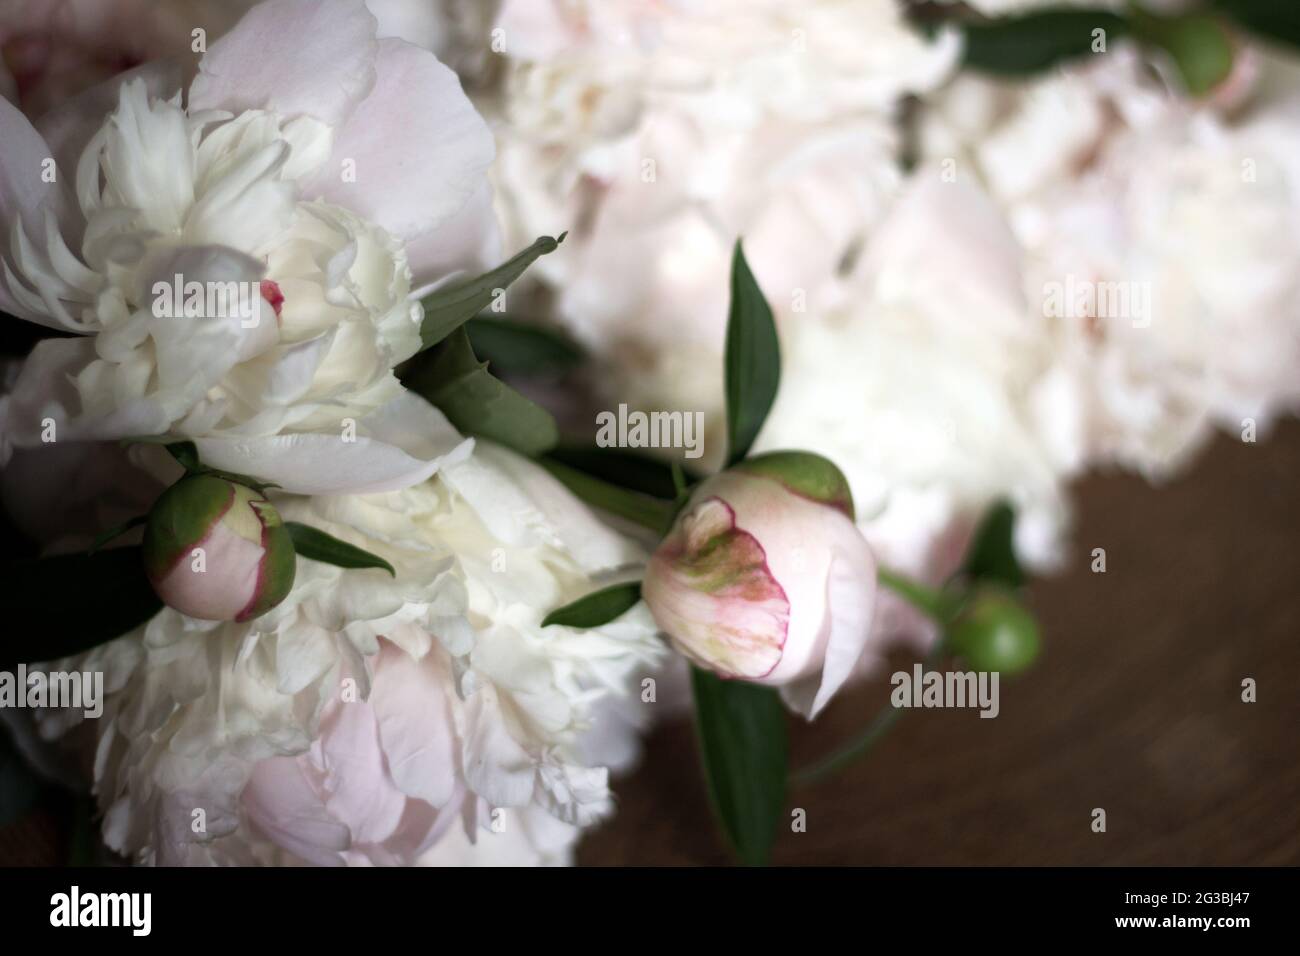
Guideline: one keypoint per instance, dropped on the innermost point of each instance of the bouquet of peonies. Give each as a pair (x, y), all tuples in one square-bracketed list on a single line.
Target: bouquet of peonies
[(406, 402)]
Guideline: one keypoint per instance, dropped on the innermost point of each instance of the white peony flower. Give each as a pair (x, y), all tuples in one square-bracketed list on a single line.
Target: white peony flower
[(922, 384), (1185, 215), (369, 719), (294, 169), (658, 133)]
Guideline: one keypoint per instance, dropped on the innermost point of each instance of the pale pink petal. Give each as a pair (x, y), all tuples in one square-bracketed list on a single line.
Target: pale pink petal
[(293, 57), (420, 149), (850, 602), (281, 802), (415, 725), (469, 242)]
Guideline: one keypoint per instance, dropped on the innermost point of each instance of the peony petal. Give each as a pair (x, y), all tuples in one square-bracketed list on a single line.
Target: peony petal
[(470, 241), (416, 168), (25, 196), (264, 62), (850, 607), (415, 725), (43, 391), (281, 802), (400, 445), (68, 127)]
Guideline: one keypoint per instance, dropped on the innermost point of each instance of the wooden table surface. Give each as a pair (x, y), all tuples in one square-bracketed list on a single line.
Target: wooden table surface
[(1134, 707)]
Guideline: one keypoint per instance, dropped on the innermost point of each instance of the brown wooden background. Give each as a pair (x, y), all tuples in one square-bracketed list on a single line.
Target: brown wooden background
[(1135, 707)]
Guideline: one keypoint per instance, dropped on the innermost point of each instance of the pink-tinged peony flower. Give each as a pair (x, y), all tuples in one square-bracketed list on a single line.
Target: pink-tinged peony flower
[(217, 550), (765, 578), (298, 160)]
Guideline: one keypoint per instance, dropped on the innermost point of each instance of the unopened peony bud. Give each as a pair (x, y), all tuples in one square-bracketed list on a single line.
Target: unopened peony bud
[(765, 578), (217, 550), (994, 632)]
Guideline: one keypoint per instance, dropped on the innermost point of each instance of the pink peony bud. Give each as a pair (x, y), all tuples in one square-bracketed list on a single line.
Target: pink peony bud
[(765, 577), (217, 550)]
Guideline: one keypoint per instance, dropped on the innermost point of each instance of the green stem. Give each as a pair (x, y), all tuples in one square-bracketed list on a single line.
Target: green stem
[(933, 603), (647, 511), (925, 599), (885, 718)]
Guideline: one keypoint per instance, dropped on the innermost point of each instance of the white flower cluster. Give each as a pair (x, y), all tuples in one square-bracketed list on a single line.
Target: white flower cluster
[(1076, 270)]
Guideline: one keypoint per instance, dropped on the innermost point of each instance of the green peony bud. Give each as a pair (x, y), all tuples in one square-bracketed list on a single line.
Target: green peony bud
[(217, 550), (994, 632)]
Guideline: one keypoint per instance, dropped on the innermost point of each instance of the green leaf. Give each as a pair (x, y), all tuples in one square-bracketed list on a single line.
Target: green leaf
[(447, 309), (992, 555), (647, 511), (622, 467), (1198, 44), (1272, 19), (313, 543), (1033, 42), (120, 530), (599, 607), (522, 348), (70, 603), (753, 362), (455, 381), (186, 453), (743, 746)]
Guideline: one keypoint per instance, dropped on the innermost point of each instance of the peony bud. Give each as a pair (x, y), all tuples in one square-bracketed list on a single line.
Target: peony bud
[(765, 578), (994, 632), (217, 550)]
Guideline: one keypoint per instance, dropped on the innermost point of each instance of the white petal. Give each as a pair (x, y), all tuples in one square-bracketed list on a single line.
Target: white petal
[(400, 445)]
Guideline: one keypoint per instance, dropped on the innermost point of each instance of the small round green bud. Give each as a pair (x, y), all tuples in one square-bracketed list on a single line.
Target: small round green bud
[(994, 632)]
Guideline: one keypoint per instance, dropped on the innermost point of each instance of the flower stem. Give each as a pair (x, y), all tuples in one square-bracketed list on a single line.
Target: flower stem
[(885, 718), (934, 604), (925, 599)]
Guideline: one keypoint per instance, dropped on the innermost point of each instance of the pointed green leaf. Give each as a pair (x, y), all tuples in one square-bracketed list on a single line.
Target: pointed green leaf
[(1273, 19), (447, 309), (623, 467), (647, 511), (457, 383), (72, 602), (992, 555), (599, 607), (1025, 44), (743, 746), (512, 347), (313, 543), (186, 453), (120, 530), (753, 360)]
